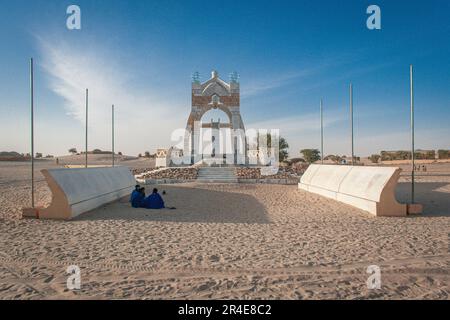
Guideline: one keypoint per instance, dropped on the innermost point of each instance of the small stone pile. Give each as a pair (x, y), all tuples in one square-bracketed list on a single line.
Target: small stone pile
[(281, 174), (173, 173), (296, 168), (255, 173), (136, 171), (248, 173)]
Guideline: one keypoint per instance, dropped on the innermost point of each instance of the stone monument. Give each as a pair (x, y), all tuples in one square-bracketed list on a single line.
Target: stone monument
[(228, 143)]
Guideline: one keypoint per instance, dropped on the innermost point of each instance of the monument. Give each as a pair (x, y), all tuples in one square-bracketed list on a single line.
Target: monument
[(219, 142), (227, 139)]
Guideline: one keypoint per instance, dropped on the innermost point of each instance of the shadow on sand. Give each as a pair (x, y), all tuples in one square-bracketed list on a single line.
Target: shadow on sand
[(193, 205), (435, 202)]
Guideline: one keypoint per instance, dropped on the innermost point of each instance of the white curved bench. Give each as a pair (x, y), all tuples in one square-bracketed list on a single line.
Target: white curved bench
[(369, 188), (76, 191)]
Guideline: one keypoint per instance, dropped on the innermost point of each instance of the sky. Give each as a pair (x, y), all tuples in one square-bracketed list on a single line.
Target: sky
[(140, 55)]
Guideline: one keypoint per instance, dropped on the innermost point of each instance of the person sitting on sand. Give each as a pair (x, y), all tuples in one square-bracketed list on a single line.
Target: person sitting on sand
[(153, 201), (137, 197), (135, 192), (142, 191)]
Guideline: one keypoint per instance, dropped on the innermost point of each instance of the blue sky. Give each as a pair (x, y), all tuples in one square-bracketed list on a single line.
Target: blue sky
[(140, 55)]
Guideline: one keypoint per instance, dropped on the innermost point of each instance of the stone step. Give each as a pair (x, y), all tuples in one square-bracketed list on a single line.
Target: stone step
[(216, 178), (217, 175), (213, 172), (216, 170), (223, 178), (217, 181)]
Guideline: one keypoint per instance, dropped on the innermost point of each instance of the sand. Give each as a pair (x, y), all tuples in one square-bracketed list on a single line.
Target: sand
[(228, 242)]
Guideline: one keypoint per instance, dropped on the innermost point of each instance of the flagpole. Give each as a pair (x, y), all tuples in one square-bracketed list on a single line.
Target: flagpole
[(86, 133), (412, 130), (112, 119), (351, 122), (32, 128), (321, 130)]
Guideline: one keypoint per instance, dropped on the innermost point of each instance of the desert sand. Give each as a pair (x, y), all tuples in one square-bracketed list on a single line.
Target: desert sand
[(227, 242)]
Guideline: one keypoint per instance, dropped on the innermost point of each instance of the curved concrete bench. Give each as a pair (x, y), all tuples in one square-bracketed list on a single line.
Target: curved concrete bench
[(369, 188), (76, 191)]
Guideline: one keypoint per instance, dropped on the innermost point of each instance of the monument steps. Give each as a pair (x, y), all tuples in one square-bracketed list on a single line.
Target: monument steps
[(217, 175)]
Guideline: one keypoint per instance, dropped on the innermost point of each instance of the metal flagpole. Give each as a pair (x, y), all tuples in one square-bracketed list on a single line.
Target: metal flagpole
[(321, 129), (351, 121), (32, 129), (112, 115), (86, 142), (412, 130)]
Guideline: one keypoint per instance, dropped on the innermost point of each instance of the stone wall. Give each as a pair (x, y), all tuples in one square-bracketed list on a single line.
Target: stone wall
[(172, 173), (253, 175), (138, 171)]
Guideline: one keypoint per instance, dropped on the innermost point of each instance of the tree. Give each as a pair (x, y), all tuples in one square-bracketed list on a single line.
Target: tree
[(38, 155), (283, 147), (140, 155), (147, 154), (374, 158), (334, 158), (119, 153), (443, 154), (73, 150), (310, 155)]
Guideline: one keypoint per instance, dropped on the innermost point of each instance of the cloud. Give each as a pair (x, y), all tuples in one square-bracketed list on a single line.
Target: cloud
[(263, 84), (144, 118), (335, 68), (256, 87), (298, 125)]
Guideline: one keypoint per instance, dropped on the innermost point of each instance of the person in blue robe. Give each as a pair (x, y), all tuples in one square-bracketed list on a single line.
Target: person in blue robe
[(138, 198), (135, 192), (153, 201)]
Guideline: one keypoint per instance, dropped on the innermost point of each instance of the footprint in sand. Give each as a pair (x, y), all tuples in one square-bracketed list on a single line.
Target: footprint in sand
[(214, 258)]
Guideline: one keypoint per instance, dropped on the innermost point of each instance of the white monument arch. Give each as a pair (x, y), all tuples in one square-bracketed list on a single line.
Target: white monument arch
[(215, 142)]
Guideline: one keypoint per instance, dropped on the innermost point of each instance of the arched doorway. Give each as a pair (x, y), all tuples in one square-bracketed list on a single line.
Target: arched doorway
[(215, 143)]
